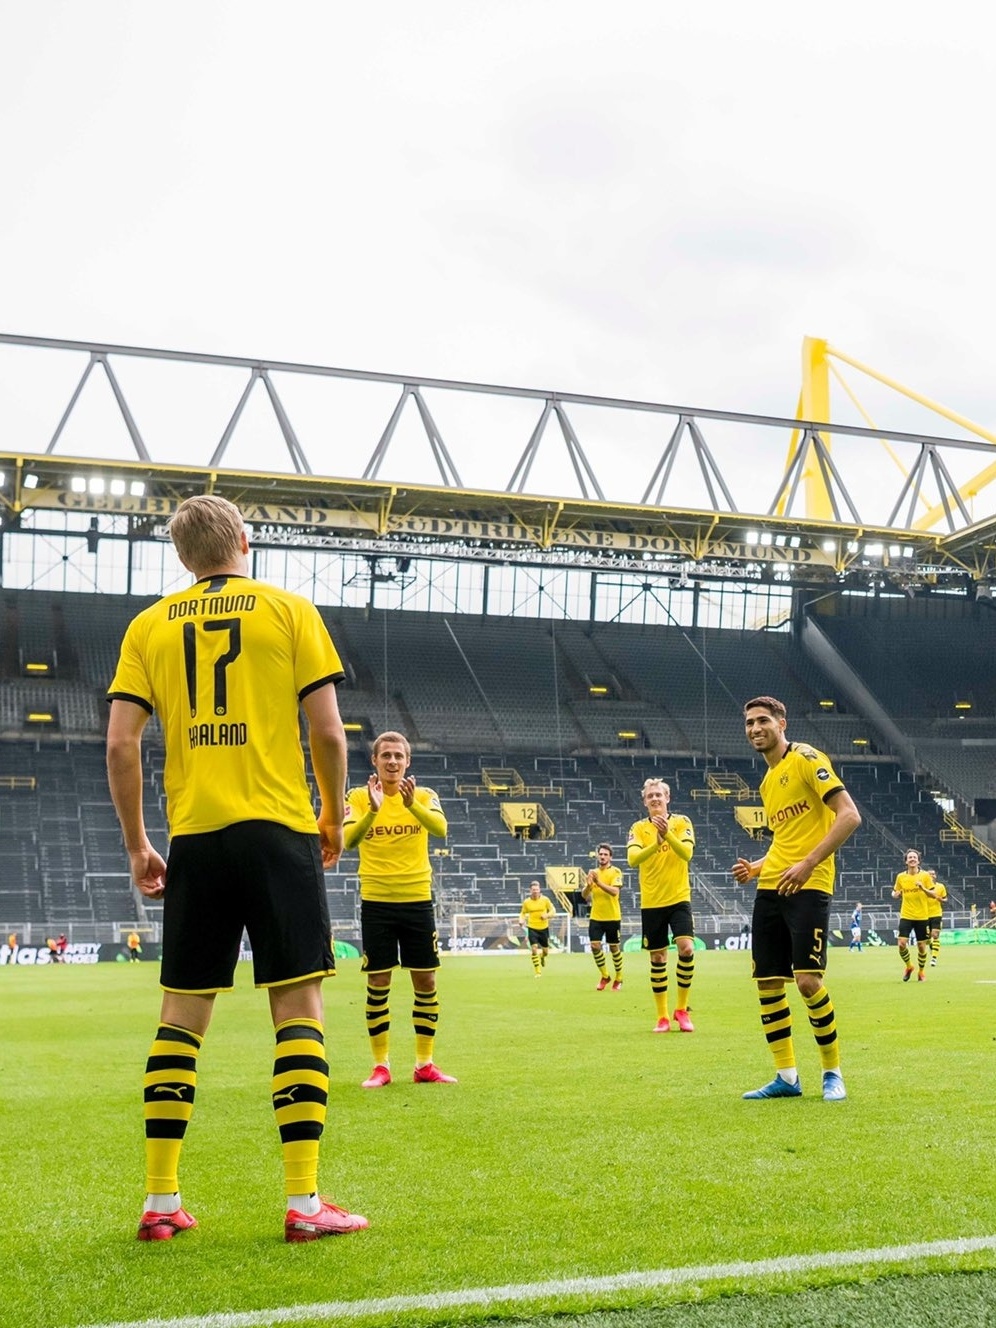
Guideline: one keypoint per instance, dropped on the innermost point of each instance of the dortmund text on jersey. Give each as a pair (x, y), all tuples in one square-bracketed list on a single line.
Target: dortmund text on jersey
[(205, 660)]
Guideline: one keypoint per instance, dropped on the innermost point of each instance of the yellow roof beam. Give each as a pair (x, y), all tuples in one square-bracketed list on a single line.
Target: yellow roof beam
[(971, 487)]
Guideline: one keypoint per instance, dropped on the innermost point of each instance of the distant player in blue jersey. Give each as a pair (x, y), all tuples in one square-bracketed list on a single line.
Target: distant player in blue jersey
[(856, 930)]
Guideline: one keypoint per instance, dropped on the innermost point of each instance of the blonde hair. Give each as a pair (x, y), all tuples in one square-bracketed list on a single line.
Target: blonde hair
[(206, 531), (392, 737), (649, 783)]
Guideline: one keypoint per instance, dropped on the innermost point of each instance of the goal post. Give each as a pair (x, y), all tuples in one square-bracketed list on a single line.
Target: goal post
[(501, 933)]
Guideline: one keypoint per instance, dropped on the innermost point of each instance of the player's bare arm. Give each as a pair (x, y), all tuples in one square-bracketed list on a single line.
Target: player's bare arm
[(327, 743), (124, 775)]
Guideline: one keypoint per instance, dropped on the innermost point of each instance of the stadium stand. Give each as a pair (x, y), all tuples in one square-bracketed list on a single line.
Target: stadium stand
[(476, 693)]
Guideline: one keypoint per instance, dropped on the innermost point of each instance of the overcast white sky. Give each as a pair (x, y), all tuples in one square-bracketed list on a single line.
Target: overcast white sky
[(635, 199)]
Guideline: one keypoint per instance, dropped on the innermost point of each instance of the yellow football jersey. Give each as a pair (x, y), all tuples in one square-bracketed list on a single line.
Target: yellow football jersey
[(605, 907), (664, 876), (936, 906), (394, 852), (225, 665), (535, 912), (794, 794), (914, 905)]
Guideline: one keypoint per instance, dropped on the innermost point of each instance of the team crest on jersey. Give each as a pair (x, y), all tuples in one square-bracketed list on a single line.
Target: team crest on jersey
[(783, 780)]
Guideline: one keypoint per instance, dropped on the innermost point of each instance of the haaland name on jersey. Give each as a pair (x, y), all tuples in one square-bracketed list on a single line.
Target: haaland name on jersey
[(218, 735)]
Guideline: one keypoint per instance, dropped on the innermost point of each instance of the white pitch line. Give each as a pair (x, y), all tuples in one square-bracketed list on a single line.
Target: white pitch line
[(337, 1311)]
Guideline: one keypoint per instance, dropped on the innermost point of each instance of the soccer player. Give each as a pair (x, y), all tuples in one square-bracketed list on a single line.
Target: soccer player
[(856, 930), (227, 664), (934, 921), (810, 814), (389, 819), (603, 887), (134, 944), (661, 846), (535, 915), (916, 891)]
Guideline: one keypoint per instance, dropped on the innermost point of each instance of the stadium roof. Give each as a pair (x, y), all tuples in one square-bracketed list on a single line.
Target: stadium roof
[(447, 518)]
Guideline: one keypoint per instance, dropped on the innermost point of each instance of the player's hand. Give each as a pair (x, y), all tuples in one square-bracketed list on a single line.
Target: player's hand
[(743, 870), (407, 790), (376, 791), (330, 837), (661, 823), (148, 871), (794, 878)]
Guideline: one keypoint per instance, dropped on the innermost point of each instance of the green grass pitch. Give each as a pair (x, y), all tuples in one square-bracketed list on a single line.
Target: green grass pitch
[(578, 1145)]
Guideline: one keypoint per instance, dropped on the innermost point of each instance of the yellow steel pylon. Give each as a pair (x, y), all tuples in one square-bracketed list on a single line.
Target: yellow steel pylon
[(814, 406)]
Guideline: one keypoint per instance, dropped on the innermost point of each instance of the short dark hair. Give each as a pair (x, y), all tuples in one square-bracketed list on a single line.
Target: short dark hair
[(608, 846), (391, 736), (769, 703)]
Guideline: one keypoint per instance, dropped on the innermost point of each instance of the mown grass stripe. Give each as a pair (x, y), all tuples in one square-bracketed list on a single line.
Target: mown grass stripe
[(523, 1293)]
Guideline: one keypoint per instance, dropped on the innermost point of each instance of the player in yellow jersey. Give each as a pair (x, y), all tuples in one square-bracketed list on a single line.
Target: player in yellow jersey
[(934, 921), (810, 814), (916, 891), (603, 888), (134, 943), (390, 820), (661, 846), (227, 665), (535, 915)]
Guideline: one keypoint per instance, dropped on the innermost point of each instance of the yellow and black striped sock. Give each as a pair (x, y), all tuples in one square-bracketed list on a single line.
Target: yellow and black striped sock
[(935, 947), (170, 1088), (617, 962), (378, 1015), (921, 959), (776, 1020), (684, 974), (824, 1026), (300, 1099), (658, 985), (537, 959), (425, 1017), (599, 958), (904, 954)]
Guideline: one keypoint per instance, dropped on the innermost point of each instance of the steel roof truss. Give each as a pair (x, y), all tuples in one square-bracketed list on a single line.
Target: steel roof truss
[(97, 357)]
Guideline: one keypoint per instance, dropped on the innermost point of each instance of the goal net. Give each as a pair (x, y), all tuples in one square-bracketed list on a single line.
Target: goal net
[(494, 933)]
